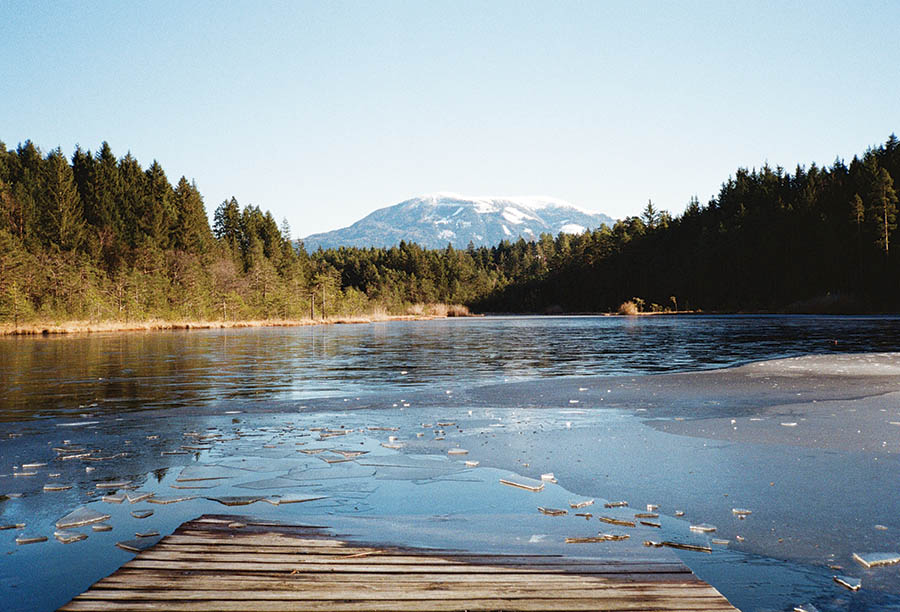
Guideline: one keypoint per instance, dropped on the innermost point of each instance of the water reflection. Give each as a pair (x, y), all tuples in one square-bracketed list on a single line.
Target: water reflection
[(134, 371)]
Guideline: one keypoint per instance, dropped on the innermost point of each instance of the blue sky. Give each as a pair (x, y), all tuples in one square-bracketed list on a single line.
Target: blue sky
[(324, 111)]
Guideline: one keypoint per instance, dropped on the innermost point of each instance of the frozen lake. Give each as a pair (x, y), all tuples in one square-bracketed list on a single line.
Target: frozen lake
[(802, 427)]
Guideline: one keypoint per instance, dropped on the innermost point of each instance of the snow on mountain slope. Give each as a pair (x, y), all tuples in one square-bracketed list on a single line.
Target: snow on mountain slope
[(435, 220)]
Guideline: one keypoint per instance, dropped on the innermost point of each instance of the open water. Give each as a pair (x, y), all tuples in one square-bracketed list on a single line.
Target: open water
[(248, 400)]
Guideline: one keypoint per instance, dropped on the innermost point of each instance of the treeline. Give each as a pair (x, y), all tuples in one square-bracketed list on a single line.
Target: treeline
[(815, 240), (97, 237)]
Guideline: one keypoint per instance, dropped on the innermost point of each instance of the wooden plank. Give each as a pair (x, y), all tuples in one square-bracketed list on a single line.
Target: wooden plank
[(362, 568), (278, 567), (397, 606), (375, 557), (403, 591), (187, 580)]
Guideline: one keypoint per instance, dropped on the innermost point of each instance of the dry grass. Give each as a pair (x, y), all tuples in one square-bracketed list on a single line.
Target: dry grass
[(438, 310), (417, 312), (458, 310)]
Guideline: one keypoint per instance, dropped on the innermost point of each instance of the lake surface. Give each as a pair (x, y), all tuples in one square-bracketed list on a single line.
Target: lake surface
[(525, 396)]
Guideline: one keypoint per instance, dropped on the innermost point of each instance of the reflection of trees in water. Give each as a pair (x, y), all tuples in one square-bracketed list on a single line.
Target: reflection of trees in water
[(119, 372)]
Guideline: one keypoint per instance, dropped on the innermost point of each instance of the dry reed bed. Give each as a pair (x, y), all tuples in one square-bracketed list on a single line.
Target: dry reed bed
[(87, 327)]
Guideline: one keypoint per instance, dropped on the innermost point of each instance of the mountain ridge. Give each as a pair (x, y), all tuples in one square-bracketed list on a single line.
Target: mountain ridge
[(438, 219)]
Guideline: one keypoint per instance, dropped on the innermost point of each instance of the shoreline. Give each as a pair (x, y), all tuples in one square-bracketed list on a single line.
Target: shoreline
[(89, 327)]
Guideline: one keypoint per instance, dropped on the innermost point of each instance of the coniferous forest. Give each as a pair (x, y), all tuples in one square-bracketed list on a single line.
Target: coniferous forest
[(99, 237)]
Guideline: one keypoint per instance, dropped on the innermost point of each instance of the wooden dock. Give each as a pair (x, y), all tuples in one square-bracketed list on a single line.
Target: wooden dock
[(211, 564)]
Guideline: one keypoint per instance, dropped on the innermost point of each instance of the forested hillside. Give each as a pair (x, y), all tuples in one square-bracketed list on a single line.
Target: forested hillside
[(817, 239), (98, 237)]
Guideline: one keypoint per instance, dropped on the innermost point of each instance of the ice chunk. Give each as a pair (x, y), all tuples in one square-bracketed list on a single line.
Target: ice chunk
[(549, 477), (807, 607), (615, 521), (172, 499), (101, 527), (141, 514), (56, 487), (849, 582), (139, 544), (582, 503), (236, 500), (67, 537), (115, 484), (280, 500), (874, 559), (703, 528), (529, 484), (30, 539), (552, 511), (134, 498), (81, 516), (678, 545), (616, 504), (603, 537)]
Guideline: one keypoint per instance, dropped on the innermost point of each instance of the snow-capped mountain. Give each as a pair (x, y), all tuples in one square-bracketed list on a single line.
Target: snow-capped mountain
[(433, 221)]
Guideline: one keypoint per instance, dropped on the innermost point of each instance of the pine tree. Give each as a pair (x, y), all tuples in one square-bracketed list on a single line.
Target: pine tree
[(191, 231), (882, 200), (64, 221)]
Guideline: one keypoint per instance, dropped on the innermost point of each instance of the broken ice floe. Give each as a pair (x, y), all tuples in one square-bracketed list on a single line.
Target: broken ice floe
[(81, 516), (67, 537), (603, 537), (30, 539), (55, 487), (529, 484), (874, 559), (139, 544), (134, 498), (552, 511), (141, 514), (678, 545), (615, 521), (114, 484), (171, 499), (854, 584)]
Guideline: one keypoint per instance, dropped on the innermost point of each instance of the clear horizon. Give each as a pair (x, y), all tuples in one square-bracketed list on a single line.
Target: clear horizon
[(325, 112)]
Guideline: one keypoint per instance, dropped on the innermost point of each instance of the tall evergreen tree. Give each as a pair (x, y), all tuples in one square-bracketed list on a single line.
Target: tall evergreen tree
[(64, 222)]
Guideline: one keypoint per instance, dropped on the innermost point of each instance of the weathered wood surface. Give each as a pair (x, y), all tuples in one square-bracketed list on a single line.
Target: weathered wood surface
[(208, 566)]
